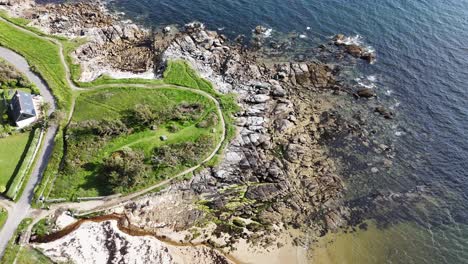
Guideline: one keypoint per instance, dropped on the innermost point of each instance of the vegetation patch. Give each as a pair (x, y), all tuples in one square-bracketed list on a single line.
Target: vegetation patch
[(44, 58), (28, 255), (15, 144), (180, 73), (14, 247), (13, 150), (44, 188), (11, 79), (24, 169), (3, 216), (112, 132), (123, 139), (42, 227)]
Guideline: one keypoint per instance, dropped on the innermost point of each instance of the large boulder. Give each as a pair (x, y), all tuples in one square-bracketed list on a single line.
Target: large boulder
[(366, 93)]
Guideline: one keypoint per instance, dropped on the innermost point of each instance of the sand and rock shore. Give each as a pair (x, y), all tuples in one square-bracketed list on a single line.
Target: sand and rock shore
[(277, 180)]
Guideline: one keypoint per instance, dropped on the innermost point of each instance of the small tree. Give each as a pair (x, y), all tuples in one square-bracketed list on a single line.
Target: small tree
[(143, 115), (45, 107)]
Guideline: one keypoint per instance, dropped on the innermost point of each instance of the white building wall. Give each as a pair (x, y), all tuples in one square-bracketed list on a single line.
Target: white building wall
[(26, 122)]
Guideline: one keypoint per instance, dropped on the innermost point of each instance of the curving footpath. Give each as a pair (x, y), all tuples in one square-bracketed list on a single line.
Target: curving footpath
[(18, 211)]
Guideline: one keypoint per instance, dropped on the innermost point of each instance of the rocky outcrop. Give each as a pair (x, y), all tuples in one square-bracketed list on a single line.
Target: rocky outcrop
[(277, 153), (117, 48), (366, 93), (12, 3), (354, 48)]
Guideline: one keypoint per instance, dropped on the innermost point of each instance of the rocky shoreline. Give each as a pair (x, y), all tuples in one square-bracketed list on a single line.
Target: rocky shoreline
[(277, 174)]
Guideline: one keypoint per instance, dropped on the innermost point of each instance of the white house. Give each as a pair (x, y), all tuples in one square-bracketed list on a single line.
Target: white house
[(22, 109)]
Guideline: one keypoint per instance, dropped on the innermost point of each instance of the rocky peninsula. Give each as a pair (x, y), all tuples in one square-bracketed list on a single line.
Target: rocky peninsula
[(277, 186)]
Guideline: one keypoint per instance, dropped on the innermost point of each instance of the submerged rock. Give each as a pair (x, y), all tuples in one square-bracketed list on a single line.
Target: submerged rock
[(384, 112), (260, 30), (366, 93)]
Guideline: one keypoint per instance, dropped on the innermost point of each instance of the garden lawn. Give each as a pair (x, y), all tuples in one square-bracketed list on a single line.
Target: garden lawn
[(114, 104), (11, 154)]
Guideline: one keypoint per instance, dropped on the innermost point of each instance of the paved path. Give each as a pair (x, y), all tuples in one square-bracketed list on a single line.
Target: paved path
[(19, 210), (22, 208)]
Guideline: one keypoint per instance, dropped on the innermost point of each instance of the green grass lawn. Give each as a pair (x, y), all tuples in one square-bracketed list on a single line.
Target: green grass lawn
[(114, 103), (179, 72), (12, 149)]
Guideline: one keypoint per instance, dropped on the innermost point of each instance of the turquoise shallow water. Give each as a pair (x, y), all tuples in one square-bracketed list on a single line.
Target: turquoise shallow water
[(422, 67)]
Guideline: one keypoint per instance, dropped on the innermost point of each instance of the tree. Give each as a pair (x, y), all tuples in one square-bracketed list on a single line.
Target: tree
[(125, 169), (143, 115)]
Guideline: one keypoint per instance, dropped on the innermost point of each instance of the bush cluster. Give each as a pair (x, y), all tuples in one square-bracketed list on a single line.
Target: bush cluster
[(125, 169), (186, 153)]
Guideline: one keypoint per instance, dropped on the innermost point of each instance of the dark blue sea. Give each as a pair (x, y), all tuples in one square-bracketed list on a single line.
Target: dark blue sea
[(421, 69)]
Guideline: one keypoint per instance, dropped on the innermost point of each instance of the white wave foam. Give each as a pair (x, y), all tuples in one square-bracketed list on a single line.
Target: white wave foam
[(267, 33), (356, 40), (303, 36), (351, 40), (366, 82), (372, 78), (369, 49), (396, 105), (399, 133)]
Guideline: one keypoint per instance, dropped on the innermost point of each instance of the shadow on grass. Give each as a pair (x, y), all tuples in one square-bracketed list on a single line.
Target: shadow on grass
[(21, 160), (96, 180)]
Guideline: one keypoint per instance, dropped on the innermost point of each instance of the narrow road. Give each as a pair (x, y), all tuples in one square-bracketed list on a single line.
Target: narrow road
[(19, 210), (22, 208)]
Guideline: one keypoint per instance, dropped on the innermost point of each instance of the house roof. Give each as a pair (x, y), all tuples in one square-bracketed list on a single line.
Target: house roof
[(22, 106)]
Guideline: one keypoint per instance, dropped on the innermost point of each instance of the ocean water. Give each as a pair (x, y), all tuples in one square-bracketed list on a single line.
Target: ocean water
[(421, 69)]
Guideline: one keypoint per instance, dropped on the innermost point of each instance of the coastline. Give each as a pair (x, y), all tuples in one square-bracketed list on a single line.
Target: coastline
[(269, 102)]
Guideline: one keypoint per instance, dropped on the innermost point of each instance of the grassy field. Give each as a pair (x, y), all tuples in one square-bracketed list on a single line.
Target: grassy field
[(180, 73), (12, 149), (44, 58), (3, 216), (83, 162)]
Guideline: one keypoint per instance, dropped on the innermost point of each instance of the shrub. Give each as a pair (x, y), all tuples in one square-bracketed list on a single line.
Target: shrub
[(186, 153), (143, 115), (210, 121), (173, 128), (125, 169)]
